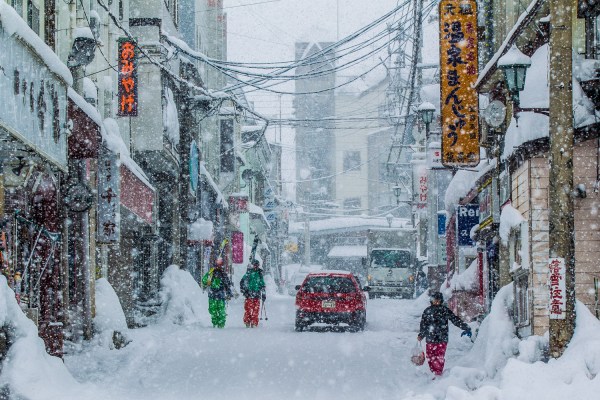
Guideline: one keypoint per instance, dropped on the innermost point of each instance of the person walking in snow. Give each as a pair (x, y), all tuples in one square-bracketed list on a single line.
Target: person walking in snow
[(434, 328), (252, 287), (219, 291)]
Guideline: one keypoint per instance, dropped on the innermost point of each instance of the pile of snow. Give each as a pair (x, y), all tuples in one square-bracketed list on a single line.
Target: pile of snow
[(109, 317), (182, 300), (496, 341), (200, 230), (170, 118), (27, 370), (510, 218), (468, 280)]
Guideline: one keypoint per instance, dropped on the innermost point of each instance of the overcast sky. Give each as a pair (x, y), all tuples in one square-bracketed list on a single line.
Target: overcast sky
[(266, 31)]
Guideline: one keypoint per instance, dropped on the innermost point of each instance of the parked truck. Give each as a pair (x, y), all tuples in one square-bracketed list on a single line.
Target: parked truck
[(391, 262)]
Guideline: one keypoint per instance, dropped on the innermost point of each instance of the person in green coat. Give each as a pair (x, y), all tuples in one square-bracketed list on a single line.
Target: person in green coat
[(252, 287), (219, 291)]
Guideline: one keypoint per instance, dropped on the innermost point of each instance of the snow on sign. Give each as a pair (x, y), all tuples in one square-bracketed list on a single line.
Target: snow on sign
[(558, 291), (458, 73), (128, 94)]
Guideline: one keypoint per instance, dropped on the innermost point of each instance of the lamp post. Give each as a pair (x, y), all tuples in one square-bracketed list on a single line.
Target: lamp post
[(514, 64), (426, 111), (397, 192), (390, 218)]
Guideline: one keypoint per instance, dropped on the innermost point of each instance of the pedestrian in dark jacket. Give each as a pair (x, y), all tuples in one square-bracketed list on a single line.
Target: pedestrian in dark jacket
[(252, 287), (219, 290), (434, 328)]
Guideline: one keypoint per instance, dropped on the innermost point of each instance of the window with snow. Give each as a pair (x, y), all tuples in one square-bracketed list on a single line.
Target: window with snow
[(352, 160), (33, 17), (227, 154)]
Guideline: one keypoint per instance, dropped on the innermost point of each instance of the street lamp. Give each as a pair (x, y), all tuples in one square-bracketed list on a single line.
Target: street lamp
[(514, 64), (426, 111), (397, 192), (390, 218)]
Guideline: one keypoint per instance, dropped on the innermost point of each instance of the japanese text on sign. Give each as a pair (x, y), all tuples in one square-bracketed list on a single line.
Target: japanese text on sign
[(458, 72), (558, 293), (128, 98), (108, 197)]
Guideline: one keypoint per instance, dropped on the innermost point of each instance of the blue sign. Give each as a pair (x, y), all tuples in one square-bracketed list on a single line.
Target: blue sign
[(441, 224), (466, 218), (194, 165)]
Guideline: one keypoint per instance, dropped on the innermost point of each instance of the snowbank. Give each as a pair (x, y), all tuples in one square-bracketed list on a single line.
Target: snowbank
[(27, 370), (510, 218), (109, 317), (200, 230), (468, 280), (182, 300)]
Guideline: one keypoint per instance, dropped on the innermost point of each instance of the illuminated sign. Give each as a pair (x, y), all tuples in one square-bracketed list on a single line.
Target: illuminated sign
[(128, 96), (458, 73)]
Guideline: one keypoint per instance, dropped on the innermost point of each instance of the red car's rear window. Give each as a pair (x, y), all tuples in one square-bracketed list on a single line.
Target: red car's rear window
[(328, 284)]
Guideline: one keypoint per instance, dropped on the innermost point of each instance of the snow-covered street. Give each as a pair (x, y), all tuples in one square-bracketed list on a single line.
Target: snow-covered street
[(168, 361)]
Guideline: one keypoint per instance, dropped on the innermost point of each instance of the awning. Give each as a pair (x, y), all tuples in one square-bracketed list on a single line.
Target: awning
[(257, 211), (356, 251), (85, 133), (524, 20)]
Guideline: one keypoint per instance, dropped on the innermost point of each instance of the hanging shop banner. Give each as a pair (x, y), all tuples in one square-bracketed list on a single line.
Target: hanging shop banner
[(558, 290), (458, 73), (237, 247), (194, 166), (467, 217), (128, 91), (108, 226)]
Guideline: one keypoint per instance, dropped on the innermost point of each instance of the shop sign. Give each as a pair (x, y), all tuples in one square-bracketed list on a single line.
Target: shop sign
[(128, 80), (504, 187), (441, 253), (420, 185), (441, 223), (558, 291), (458, 73), (434, 156), (237, 247), (238, 203), (467, 217), (271, 217), (108, 226), (33, 105)]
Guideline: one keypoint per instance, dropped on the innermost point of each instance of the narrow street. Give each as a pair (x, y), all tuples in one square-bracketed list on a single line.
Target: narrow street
[(166, 361)]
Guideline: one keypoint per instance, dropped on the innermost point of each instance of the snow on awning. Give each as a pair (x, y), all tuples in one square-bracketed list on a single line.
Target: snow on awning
[(510, 218), (348, 252), (524, 20), (211, 182), (200, 230), (256, 210)]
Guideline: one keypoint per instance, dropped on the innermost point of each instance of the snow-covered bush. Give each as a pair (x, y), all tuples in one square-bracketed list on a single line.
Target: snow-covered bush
[(182, 300), (109, 322)]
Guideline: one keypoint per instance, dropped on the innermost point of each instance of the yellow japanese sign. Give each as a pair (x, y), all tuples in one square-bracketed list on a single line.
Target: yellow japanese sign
[(458, 73)]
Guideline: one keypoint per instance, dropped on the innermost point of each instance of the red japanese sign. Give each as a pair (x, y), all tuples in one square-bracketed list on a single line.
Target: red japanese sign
[(458, 73), (128, 95), (237, 247), (558, 290)]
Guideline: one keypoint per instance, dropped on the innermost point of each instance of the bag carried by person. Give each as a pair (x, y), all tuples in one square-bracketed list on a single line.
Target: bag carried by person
[(418, 355)]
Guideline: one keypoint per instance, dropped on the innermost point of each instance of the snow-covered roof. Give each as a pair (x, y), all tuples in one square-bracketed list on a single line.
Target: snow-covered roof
[(254, 209), (86, 107), (464, 181), (347, 223), (13, 24), (347, 251)]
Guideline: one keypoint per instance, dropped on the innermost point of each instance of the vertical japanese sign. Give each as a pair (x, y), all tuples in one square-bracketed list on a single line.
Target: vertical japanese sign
[(128, 93), (237, 247), (458, 73), (108, 227), (420, 185), (558, 290)]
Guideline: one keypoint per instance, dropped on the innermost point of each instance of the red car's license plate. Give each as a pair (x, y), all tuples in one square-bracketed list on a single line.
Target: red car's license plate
[(328, 304)]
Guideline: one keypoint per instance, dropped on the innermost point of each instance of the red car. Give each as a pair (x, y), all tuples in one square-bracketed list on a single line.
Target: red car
[(331, 297)]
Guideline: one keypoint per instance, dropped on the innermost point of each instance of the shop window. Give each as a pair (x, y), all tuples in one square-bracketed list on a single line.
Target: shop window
[(33, 17), (352, 160), (521, 312)]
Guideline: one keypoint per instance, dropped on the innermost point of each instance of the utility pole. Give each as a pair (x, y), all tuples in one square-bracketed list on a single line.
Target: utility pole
[(307, 241), (561, 221)]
